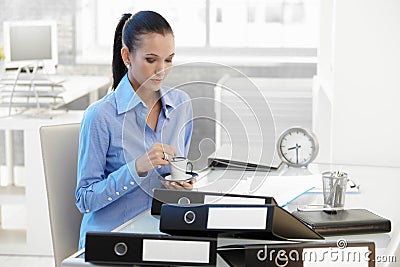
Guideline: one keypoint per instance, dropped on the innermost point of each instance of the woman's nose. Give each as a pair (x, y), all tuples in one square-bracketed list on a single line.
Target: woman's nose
[(160, 69)]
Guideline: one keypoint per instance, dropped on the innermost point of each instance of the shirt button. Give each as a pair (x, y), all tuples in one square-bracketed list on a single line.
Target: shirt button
[(125, 187), (109, 198), (132, 183), (117, 193), (87, 211)]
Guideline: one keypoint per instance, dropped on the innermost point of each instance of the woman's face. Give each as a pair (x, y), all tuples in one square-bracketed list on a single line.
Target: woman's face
[(150, 63)]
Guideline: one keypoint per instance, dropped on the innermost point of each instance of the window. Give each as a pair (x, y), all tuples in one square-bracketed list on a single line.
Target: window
[(269, 27)]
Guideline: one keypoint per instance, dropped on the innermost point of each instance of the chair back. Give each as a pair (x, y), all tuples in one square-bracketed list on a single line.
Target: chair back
[(60, 154)]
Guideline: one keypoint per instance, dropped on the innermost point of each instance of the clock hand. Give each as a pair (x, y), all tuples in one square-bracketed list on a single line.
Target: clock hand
[(297, 153), (294, 147)]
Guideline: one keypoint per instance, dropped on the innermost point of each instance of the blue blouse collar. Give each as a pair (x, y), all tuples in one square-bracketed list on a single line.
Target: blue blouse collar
[(127, 99)]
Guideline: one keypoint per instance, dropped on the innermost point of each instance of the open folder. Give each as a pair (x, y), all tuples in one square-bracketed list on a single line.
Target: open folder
[(251, 158)]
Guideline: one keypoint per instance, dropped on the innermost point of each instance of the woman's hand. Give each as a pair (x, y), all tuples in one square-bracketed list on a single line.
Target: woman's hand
[(180, 185), (158, 155)]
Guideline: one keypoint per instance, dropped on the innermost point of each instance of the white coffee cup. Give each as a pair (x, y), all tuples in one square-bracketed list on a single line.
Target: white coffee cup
[(180, 168)]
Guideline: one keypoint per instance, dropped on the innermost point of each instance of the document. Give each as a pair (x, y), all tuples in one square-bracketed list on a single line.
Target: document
[(284, 189)]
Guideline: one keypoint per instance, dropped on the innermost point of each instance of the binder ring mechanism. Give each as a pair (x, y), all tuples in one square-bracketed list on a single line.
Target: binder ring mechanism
[(120, 249), (189, 217)]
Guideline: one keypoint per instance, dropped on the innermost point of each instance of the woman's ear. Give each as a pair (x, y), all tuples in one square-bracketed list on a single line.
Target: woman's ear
[(125, 56)]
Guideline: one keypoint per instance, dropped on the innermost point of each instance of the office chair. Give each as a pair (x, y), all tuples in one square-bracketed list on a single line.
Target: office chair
[(60, 152)]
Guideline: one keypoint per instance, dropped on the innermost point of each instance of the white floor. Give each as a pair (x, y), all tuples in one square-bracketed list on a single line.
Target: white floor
[(23, 261), (13, 216)]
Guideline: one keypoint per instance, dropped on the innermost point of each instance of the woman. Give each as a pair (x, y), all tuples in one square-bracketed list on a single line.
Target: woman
[(128, 137)]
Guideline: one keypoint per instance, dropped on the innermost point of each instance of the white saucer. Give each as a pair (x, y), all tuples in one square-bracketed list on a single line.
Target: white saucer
[(189, 176)]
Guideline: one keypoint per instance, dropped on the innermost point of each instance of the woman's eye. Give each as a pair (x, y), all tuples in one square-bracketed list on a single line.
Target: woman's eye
[(168, 60), (150, 60)]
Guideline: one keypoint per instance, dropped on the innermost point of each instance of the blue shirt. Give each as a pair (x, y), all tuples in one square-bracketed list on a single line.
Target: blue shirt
[(113, 133)]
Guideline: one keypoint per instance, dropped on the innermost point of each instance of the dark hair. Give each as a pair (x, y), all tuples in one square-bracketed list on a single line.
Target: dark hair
[(128, 32)]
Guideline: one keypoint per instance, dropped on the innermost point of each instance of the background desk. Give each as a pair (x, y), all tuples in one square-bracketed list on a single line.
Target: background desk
[(78, 86), (23, 183), (379, 194), (57, 92)]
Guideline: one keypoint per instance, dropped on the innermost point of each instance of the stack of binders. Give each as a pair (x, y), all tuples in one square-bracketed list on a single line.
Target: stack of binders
[(194, 222), (161, 250), (248, 219), (243, 217)]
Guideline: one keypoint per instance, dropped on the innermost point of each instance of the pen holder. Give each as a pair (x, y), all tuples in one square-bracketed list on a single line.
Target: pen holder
[(334, 189)]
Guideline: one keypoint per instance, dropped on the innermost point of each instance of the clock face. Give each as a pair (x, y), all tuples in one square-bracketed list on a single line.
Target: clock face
[(297, 147)]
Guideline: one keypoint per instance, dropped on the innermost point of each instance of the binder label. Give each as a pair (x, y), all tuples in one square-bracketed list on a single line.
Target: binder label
[(210, 199), (237, 218), (176, 251)]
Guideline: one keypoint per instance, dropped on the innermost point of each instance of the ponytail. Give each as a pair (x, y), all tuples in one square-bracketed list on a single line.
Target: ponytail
[(118, 67), (128, 33)]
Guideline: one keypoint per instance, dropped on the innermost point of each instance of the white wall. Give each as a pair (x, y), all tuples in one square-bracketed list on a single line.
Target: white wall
[(357, 88)]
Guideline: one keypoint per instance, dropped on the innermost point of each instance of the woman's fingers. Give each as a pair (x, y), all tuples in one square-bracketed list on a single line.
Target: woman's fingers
[(168, 152), (172, 185), (158, 155), (164, 152), (188, 185), (180, 185)]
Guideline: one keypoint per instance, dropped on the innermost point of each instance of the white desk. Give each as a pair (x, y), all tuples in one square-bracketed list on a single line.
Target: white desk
[(379, 194), (78, 85), (54, 93)]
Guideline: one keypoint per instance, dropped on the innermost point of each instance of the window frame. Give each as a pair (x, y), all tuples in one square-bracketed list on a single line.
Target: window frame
[(237, 56)]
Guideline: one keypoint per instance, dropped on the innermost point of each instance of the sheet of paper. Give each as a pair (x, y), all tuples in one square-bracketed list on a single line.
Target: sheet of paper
[(284, 189), (240, 185)]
